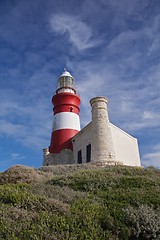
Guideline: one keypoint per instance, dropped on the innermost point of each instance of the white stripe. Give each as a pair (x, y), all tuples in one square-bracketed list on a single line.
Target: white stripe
[(65, 90), (66, 120)]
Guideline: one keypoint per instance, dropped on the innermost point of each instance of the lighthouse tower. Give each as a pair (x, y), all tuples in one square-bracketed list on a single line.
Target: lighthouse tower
[(66, 114)]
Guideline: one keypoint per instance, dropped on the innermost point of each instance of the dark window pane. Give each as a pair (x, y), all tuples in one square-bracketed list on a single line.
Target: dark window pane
[(88, 151), (79, 156)]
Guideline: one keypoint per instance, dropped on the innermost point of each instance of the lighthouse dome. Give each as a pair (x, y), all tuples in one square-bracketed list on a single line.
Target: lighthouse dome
[(66, 74)]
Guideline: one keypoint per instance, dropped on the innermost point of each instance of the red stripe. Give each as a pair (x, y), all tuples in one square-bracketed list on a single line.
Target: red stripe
[(61, 139), (66, 108), (66, 102)]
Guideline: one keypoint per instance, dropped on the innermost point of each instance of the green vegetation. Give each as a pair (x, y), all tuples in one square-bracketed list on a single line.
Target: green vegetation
[(83, 203)]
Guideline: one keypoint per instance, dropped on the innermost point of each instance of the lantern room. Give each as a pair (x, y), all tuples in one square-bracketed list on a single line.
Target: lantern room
[(66, 83)]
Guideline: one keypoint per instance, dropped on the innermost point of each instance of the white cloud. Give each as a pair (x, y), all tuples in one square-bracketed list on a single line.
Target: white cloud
[(151, 159), (11, 159), (79, 33), (144, 40), (17, 156), (155, 46), (126, 6), (150, 115), (11, 129), (27, 122), (157, 147), (133, 100), (119, 42)]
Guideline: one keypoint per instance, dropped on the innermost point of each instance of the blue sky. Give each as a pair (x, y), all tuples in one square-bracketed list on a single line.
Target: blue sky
[(111, 47)]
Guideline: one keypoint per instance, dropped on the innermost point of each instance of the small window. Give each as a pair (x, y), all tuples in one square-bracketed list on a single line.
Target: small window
[(88, 153), (79, 156), (71, 109)]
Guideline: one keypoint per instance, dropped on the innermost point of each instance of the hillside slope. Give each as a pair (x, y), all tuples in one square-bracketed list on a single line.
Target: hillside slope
[(80, 202)]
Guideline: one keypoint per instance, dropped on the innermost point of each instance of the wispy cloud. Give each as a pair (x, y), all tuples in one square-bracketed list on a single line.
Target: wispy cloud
[(111, 47), (11, 158), (17, 156), (152, 158), (27, 122), (143, 40), (128, 105), (79, 33)]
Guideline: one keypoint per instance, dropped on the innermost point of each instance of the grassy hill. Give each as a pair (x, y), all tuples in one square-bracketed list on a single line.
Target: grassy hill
[(82, 202)]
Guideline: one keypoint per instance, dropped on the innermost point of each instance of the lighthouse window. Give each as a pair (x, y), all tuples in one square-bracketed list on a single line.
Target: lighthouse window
[(66, 82), (88, 153), (79, 156)]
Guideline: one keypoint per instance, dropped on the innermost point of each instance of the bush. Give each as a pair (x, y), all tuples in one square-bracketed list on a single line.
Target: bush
[(144, 223), (85, 204)]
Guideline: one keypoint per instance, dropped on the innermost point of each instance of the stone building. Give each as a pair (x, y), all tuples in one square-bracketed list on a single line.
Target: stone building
[(99, 142)]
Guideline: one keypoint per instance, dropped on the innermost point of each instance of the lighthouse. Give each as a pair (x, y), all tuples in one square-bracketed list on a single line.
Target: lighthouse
[(66, 123), (99, 142)]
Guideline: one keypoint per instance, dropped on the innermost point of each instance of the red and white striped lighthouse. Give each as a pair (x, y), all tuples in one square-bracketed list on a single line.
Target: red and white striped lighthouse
[(66, 114)]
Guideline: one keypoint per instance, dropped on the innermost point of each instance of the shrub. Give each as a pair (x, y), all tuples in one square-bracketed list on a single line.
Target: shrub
[(86, 204), (144, 223)]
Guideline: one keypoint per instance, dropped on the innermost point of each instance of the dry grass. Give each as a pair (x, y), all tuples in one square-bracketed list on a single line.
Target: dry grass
[(23, 174), (85, 201)]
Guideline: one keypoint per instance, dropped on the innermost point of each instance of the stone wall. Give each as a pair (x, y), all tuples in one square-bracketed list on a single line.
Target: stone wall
[(125, 147), (64, 157), (80, 141), (102, 145)]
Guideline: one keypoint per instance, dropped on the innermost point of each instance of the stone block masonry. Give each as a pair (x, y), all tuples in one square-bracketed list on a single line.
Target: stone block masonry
[(102, 145)]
